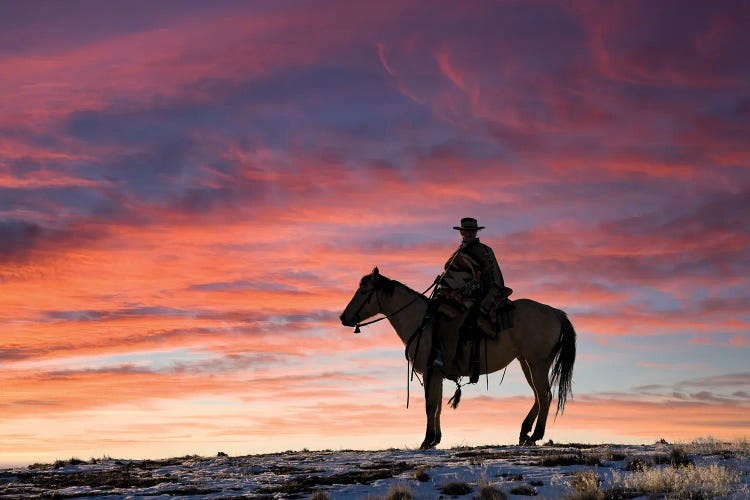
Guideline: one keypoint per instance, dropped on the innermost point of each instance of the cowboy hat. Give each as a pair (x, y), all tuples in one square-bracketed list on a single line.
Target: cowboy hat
[(468, 224)]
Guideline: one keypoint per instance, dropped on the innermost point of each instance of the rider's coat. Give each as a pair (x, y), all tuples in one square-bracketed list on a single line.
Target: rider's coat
[(473, 277), (472, 270)]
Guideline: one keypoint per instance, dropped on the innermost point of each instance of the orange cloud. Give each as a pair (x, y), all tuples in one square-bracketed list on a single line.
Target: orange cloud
[(186, 207)]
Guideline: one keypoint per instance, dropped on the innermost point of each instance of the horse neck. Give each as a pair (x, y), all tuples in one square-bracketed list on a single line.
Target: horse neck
[(406, 321)]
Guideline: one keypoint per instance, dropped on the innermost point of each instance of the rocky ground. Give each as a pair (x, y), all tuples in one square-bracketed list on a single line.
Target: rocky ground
[(706, 469)]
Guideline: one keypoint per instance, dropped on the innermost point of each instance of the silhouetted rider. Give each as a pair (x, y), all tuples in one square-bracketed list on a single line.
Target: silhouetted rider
[(471, 284)]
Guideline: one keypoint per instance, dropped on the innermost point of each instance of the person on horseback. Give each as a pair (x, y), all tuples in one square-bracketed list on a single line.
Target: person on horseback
[(470, 287)]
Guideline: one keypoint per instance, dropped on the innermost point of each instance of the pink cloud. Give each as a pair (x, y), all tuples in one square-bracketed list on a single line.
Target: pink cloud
[(740, 341), (681, 54), (599, 192)]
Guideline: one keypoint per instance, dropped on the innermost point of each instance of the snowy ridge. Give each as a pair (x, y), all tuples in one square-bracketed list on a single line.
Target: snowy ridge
[(516, 472)]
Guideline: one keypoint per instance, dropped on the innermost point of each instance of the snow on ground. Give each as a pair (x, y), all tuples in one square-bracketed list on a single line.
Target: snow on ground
[(518, 472)]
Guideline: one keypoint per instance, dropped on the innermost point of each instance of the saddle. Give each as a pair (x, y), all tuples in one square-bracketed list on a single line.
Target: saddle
[(480, 324), (498, 316)]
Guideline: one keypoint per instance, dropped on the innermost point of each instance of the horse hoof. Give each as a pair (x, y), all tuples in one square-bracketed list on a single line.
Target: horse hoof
[(526, 441), (428, 445)]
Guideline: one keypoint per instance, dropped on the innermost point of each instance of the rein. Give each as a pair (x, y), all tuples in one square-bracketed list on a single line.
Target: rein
[(416, 335), (358, 325)]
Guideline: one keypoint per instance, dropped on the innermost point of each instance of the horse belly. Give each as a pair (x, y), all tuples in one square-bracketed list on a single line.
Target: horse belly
[(500, 352)]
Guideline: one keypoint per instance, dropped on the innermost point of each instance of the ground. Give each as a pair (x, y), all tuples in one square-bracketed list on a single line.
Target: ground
[(701, 469)]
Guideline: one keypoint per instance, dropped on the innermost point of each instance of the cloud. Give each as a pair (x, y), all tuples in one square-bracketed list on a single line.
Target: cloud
[(241, 285), (659, 52), (26, 241), (720, 389), (215, 179), (16, 352), (97, 316), (17, 237), (740, 341), (724, 381)]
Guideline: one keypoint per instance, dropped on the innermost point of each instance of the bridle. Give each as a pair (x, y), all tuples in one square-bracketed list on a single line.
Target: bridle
[(424, 294), (375, 290), (364, 303)]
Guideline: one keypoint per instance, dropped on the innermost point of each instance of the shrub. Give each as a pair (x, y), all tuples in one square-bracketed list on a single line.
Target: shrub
[(64, 463), (637, 464), (585, 486), (39, 465), (614, 456), (678, 457), (399, 493), (455, 488), (489, 492), (711, 446), (524, 490), (569, 459), (689, 481), (421, 474)]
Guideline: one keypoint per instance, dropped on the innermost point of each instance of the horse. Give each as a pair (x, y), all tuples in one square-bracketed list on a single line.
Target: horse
[(541, 338)]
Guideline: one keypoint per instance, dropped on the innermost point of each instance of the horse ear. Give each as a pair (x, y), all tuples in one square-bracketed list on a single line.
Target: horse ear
[(375, 271)]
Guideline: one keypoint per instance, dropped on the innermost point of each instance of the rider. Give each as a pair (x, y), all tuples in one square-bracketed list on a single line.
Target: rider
[(471, 283)]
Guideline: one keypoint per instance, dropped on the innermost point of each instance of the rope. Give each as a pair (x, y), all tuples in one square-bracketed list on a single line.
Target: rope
[(486, 365), (456, 398), (407, 383)]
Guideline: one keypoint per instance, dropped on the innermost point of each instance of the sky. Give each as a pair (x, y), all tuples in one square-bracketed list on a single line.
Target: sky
[(190, 192)]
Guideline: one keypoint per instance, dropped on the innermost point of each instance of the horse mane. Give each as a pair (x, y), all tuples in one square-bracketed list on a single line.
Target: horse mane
[(387, 285)]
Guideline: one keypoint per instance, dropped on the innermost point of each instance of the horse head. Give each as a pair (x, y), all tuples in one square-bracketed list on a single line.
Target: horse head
[(365, 303)]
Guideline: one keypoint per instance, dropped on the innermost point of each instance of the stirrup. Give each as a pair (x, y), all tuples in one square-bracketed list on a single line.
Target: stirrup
[(474, 378), (438, 361)]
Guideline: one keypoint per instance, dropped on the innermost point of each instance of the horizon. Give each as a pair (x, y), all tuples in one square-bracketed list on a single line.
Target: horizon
[(190, 193), (632, 442)]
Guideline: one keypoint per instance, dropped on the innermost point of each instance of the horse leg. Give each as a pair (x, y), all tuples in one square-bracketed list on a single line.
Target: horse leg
[(433, 398), (528, 422), (540, 378)]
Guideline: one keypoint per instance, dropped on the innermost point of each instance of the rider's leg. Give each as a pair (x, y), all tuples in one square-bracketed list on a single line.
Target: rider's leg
[(447, 335)]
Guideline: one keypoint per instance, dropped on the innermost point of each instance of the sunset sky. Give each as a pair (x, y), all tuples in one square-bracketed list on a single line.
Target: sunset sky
[(190, 192)]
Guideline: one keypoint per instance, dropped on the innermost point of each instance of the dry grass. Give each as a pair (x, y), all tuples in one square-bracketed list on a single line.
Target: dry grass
[(568, 459), (320, 495), (637, 464), (64, 463), (675, 458), (712, 446), (689, 481), (456, 488), (585, 486), (421, 474), (612, 456), (489, 492), (398, 492), (524, 490)]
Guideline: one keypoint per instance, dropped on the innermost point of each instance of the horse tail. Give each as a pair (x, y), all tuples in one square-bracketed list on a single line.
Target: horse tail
[(564, 357)]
